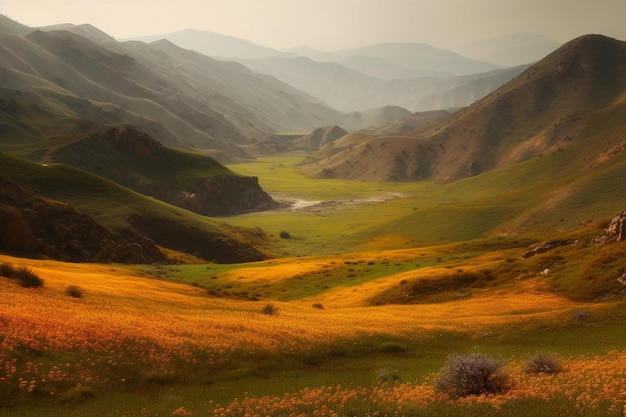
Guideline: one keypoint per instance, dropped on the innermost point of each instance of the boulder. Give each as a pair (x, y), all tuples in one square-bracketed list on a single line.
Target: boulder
[(614, 232)]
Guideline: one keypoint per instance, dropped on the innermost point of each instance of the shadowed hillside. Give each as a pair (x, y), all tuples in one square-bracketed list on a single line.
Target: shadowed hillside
[(126, 213), (33, 225), (546, 108), (191, 181)]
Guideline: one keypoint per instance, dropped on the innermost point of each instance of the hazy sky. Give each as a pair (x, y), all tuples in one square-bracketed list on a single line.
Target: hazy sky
[(334, 24)]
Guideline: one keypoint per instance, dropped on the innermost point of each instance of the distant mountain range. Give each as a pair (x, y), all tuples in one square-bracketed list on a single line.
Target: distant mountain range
[(214, 44), (348, 90), (418, 77), (180, 97)]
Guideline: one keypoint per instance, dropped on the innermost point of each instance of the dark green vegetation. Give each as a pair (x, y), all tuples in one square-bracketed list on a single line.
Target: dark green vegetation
[(131, 214), (182, 178)]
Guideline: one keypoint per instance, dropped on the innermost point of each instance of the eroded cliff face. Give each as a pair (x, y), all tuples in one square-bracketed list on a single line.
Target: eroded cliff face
[(226, 195), (34, 225)]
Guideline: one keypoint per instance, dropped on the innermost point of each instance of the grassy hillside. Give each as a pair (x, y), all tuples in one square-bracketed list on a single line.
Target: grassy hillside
[(185, 179), (340, 322), (546, 108), (120, 209), (555, 192), (301, 333), (350, 297)]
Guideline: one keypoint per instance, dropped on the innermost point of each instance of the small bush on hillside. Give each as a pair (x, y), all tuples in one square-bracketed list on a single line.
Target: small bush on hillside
[(393, 347), (543, 363), (74, 291), (284, 235), (77, 394), (387, 375), (473, 374), (581, 315), (319, 306), (24, 276), (7, 270), (270, 309), (27, 278)]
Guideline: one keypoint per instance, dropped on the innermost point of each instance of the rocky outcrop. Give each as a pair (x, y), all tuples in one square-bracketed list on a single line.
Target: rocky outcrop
[(34, 225), (614, 232), (547, 246), (228, 194)]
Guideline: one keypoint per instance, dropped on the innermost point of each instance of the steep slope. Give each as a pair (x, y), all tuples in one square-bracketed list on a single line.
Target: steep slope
[(337, 86), (34, 225), (191, 181), (545, 108), (463, 91), (134, 216), (11, 26), (179, 97)]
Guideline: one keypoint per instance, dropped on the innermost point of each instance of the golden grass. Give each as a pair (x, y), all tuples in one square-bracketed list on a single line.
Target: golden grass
[(118, 305), (127, 327)]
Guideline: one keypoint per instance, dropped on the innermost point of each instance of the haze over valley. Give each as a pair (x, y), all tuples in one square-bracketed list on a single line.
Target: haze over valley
[(397, 218)]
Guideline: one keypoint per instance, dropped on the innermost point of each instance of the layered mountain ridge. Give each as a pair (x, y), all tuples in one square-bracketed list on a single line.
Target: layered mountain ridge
[(179, 97), (545, 108)]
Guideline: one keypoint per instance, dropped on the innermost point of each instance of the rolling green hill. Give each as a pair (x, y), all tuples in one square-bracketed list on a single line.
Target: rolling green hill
[(129, 213), (182, 178)]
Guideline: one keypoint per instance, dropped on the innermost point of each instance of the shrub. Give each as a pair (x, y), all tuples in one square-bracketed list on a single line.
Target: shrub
[(543, 363), (24, 276), (27, 278), (270, 309), (387, 375), (284, 235), (581, 315), (7, 270), (74, 291), (473, 374), (319, 306), (393, 347), (77, 394)]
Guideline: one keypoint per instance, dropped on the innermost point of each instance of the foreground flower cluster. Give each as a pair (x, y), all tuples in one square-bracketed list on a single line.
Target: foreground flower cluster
[(126, 333), (591, 386)]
